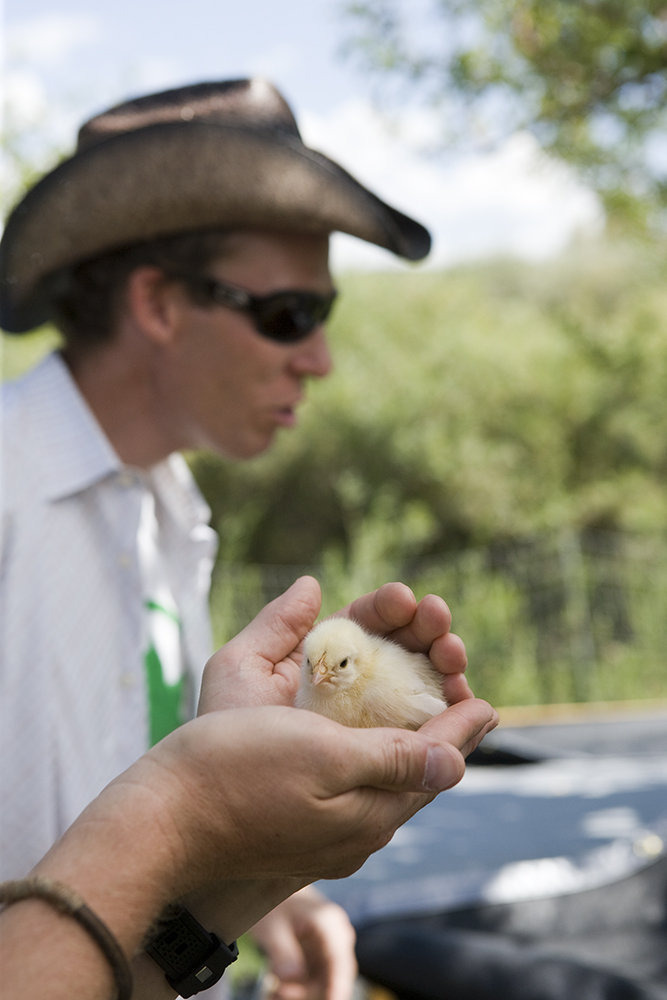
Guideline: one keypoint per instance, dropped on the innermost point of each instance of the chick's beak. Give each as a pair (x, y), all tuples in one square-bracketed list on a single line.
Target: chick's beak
[(321, 673)]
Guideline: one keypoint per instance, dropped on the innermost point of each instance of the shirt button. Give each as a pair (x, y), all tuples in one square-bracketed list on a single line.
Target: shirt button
[(128, 680), (124, 560)]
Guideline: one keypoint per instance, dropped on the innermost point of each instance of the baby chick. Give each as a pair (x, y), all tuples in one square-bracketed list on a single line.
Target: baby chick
[(360, 679)]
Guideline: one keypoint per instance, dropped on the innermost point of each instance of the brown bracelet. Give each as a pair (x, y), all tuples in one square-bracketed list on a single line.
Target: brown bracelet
[(68, 902)]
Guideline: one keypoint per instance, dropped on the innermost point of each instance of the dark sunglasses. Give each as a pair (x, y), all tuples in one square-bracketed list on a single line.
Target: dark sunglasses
[(287, 316)]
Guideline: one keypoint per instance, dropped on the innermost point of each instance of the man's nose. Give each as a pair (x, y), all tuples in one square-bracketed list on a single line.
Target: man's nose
[(312, 356)]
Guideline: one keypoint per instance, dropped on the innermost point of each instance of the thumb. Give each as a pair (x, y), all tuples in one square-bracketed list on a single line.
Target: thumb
[(281, 625), (271, 638), (429, 760)]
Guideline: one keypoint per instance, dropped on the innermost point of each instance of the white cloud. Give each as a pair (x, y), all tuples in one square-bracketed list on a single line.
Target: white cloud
[(513, 199), (25, 98), (142, 76), (275, 63), (42, 101), (49, 39)]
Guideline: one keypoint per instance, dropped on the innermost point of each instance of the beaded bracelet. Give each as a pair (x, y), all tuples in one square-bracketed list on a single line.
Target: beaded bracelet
[(68, 902)]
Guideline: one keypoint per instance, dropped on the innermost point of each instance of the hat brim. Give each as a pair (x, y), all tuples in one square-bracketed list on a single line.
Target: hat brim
[(182, 177)]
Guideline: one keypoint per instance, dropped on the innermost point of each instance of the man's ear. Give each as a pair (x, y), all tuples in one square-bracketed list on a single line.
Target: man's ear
[(152, 303)]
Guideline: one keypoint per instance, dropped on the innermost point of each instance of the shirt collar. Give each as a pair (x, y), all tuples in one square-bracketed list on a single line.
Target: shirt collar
[(75, 450), (78, 454), (173, 483)]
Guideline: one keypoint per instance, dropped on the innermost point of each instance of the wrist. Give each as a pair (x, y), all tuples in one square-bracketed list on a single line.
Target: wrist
[(232, 907), (192, 958), (193, 943), (117, 857)]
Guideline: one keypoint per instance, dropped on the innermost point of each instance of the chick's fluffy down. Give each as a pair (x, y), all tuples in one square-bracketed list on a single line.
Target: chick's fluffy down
[(361, 679)]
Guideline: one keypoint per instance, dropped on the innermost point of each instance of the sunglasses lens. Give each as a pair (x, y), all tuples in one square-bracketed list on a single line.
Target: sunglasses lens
[(286, 317), (290, 316)]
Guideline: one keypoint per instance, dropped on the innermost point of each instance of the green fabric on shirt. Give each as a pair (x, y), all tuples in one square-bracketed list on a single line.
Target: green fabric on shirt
[(165, 701)]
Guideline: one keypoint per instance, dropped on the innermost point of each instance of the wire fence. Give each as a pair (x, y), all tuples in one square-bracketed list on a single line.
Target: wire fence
[(569, 617)]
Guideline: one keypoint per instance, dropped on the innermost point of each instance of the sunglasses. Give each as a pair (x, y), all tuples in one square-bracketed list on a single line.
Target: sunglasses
[(286, 317)]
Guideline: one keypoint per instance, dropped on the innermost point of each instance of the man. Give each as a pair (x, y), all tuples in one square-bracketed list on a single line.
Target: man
[(183, 252)]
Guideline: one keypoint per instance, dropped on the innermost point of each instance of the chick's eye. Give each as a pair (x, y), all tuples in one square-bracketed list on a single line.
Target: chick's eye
[(343, 663)]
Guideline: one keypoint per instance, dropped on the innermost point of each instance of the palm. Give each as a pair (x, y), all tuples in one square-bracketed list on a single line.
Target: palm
[(261, 665), (257, 681)]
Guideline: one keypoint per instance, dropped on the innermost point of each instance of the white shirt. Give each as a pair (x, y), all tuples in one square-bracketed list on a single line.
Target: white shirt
[(73, 710)]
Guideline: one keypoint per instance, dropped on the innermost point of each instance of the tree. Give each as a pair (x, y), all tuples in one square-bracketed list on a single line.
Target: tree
[(587, 77)]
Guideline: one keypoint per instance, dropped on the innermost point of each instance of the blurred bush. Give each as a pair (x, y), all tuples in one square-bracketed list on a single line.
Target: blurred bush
[(469, 407), (496, 434)]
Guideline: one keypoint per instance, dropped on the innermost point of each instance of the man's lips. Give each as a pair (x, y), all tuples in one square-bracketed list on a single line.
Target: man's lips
[(286, 415)]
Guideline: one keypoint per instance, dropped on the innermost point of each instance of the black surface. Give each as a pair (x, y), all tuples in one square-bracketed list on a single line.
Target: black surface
[(542, 875)]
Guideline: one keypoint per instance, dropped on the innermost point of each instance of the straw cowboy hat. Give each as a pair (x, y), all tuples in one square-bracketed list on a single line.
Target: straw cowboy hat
[(224, 155)]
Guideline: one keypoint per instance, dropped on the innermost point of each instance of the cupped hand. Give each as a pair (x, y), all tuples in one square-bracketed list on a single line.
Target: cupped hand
[(277, 792), (260, 666), (422, 626)]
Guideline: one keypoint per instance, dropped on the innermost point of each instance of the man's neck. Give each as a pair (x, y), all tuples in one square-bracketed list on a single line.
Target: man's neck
[(120, 393)]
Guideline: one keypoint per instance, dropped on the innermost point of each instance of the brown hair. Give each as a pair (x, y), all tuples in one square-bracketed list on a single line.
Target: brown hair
[(90, 293)]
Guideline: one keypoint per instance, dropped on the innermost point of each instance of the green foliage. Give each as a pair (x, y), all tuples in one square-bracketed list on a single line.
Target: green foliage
[(468, 408), (495, 434), (17, 354), (589, 79)]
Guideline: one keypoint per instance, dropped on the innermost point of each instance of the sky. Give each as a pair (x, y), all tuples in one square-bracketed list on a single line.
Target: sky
[(65, 60)]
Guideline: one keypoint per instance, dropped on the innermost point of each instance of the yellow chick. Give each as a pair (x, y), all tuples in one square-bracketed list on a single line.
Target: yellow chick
[(361, 679)]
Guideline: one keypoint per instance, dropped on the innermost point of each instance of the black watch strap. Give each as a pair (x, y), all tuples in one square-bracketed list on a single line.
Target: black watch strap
[(191, 957)]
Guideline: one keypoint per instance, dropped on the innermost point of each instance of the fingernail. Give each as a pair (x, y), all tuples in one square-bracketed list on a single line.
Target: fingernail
[(439, 772)]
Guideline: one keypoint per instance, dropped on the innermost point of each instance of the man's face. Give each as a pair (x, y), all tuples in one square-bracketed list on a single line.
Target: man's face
[(225, 386)]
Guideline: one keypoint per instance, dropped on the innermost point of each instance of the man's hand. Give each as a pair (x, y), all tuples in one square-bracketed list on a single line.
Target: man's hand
[(309, 945), (260, 666), (421, 626), (275, 792)]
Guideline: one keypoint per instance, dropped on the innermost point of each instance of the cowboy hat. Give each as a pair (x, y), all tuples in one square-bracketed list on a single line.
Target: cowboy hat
[(224, 155)]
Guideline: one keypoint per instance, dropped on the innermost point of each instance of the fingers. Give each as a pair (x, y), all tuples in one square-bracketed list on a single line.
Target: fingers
[(390, 607), (428, 631), (448, 655), (277, 939), (431, 618), (422, 626), (328, 941), (309, 942), (393, 610), (456, 688), (463, 725)]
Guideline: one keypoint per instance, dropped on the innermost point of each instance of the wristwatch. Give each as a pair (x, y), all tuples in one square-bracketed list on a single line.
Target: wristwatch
[(191, 957)]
